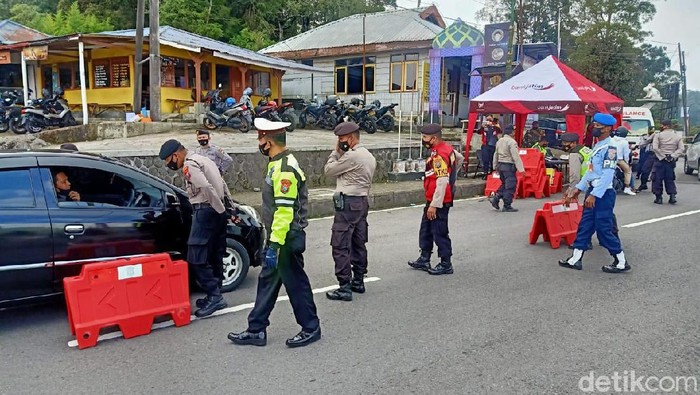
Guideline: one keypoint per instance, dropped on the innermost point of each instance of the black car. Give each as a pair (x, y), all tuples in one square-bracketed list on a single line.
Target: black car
[(553, 129), (122, 212)]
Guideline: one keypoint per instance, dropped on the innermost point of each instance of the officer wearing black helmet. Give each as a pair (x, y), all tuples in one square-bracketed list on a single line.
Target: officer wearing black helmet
[(207, 242)]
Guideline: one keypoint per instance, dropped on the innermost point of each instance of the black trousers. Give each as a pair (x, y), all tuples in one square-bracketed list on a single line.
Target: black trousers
[(646, 167), (348, 239), (664, 175), (509, 182), (290, 272), (435, 231), (487, 152), (205, 249)]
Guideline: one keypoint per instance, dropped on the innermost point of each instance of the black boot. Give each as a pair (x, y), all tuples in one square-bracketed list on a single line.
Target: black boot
[(343, 293), (422, 263), (659, 200), (642, 187), (578, 265), (495, 201), (358, 284), (444, 267), (248, 338), (509, 209), (672, 198), (213, 304)]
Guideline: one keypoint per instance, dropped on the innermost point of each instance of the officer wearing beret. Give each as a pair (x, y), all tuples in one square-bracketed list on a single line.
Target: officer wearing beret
[(599, 203), (222, 160), (440, 174), (207, 242), (507, 160), (667, 147), (354, 166), (285, 198)]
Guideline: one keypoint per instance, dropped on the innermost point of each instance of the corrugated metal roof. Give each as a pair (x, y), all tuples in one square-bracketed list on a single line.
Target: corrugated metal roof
[(170, 35), (380, 28), (12, 32)]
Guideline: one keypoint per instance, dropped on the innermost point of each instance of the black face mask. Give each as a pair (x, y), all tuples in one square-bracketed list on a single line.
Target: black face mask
[(344, 146), (597, 132), (427, 144), (172, 165), (63, 192), (203, 142), (263, 150)]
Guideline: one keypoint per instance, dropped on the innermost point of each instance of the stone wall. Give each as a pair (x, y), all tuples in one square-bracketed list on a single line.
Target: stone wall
[(248, 169)]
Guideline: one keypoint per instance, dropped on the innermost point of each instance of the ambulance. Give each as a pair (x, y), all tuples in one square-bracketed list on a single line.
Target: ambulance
[(637, 120)]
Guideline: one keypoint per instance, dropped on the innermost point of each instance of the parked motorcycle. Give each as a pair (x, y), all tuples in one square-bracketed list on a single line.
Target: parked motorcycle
[(315, 113), (385, 116), (362, 115), (225, 112), (8, 99), (284, 113), (53, 112)]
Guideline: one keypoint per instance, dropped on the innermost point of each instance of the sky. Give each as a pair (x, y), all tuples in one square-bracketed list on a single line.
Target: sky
[(673, 22)]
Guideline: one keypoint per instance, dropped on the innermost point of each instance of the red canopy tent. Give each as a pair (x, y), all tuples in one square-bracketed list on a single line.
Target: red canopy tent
[(548, 87)]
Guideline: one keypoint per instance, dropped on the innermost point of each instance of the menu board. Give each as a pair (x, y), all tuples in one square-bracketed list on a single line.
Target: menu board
[(120, 73), (167, 70), (101, 73)]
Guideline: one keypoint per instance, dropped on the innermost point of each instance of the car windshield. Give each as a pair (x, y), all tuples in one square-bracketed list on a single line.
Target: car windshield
[(637, 126)]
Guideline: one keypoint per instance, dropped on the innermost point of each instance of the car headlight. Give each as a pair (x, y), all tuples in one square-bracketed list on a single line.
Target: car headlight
[(251, 212)]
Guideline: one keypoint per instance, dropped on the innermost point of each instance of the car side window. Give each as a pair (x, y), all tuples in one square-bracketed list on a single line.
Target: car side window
[(78, 187), (696, 139), (16, 189)]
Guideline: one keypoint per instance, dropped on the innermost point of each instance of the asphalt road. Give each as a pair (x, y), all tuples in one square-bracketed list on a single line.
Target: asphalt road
[(509, 321)]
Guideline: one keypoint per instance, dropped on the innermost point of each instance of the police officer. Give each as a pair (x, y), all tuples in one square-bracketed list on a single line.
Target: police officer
[(440, 170), (599, 202), (284, 212), (354, 166), (489, 131), (507, 160), (207, 242), (624, 157), (579, 156), (222, 160), (667, 147), (646, 159)]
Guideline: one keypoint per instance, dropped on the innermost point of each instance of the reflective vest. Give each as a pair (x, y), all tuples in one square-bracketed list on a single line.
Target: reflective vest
[(586, 154)]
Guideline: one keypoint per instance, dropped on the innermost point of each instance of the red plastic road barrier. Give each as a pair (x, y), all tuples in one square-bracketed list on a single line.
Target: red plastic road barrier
[(128, 293), (493, 182), (556, 183), (554, 222), (535, 181)]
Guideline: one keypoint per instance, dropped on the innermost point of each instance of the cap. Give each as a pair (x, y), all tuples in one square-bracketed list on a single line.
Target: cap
[(604, 119), (569, 137), (344, 128), (508, 129), (431, 129), (666, 122), (622, 131), (266, 127), (202, 131), (168, 148), (69, 147)]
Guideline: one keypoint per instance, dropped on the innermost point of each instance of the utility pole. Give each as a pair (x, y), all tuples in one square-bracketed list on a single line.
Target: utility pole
[(364, 60), (684, 93), (154, 62), (559, 32), (511, 30), (140, 11)]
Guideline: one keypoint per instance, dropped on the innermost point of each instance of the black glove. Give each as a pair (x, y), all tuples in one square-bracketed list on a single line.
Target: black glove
[(669, 159)]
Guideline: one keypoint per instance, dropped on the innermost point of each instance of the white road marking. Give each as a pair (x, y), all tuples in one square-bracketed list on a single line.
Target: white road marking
[(653, 220), (228, 310)]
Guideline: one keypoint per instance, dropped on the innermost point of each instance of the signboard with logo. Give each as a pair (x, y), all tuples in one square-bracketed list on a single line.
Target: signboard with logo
[(36, 53), (426, 81), (496, 44), (490, 81), (5, 57)]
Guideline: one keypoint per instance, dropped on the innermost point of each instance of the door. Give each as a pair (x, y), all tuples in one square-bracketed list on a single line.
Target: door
[(26, 259), (120, 212)]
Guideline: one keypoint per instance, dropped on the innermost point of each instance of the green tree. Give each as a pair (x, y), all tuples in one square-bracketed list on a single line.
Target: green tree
[(204, 17), (64, 21)]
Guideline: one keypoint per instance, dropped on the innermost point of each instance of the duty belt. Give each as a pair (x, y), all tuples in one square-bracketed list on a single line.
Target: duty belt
[(198, 206)]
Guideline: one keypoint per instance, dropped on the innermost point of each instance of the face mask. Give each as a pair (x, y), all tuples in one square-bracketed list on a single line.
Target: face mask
[(63, 193), (172, 165), (203, 142), (597, 132), (427, 144), (263, 150), (344, 146)]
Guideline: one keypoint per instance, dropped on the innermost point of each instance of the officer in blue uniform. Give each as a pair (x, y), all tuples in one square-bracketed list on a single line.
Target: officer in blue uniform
[(599, 203)]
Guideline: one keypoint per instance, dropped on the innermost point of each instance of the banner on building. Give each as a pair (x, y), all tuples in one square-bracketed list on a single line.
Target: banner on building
[(5, 57), (490, 81), (496, 44), (36, 53), (426, 81)]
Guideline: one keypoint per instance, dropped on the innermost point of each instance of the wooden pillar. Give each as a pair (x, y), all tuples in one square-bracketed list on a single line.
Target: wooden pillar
[(197, 79), (279, 74), (244, 71)]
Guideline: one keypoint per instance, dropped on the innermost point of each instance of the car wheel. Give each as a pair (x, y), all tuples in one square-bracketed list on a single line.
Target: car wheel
[(236, 265), (687, 169)]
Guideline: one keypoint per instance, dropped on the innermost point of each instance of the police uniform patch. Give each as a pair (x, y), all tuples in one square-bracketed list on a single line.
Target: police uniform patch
[(610, 161), (186, 172), (285, 185), (440, 167)]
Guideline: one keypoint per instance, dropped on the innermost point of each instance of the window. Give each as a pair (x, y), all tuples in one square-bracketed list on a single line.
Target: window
[(99, 188), (16, 189), (404, 73), (258, 81), (307, 62), (111, 73), (349, 77), (205, 70), (11, 75), (69, 76), (174, 72)]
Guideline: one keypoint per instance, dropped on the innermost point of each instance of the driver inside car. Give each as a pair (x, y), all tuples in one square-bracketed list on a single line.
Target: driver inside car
[(63, 188)]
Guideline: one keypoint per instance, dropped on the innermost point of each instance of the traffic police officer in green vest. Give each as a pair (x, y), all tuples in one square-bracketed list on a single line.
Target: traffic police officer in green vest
[(579, 156), (285, 198)]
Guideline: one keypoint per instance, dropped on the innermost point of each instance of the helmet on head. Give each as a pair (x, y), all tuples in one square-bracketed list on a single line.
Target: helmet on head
[(355, 101), (377, 103), (230, 101), (622, 131), (267, 92), (248, 91)]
